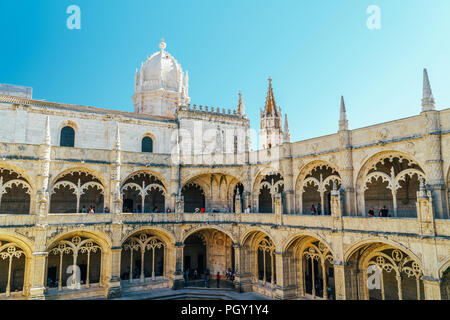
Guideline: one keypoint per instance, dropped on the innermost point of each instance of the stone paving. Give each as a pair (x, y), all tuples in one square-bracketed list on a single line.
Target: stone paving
[(192, 294)]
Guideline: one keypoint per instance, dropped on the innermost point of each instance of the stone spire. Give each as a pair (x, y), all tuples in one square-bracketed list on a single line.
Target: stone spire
[(241, 106), (428, 99), (343, 122), (270, 107), (286, 135), (47, 139), (117, 144)]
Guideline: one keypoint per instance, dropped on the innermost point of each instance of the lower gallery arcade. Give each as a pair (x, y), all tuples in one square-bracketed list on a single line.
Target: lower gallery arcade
[(281, 248), (306, 267)]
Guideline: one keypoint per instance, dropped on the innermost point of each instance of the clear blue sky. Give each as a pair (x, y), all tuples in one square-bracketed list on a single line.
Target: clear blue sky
[(314, 51)]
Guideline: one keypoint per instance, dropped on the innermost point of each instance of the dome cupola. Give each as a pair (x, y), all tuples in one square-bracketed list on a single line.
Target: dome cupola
[(160, 84)]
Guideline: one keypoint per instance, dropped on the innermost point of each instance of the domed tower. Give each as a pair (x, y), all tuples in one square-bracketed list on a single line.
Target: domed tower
[(160, 85), (270, 133)]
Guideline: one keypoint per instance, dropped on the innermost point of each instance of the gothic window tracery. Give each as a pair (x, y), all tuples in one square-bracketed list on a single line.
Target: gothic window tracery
[(269, 186), (75, 191), (143, 256), (143, 193), (12, 268), (266, 261), (74, 262), (392, 181), (15, 192), (316, 189)]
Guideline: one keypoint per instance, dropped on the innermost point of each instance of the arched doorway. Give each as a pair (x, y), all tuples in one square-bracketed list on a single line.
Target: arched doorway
[(207, 252), (194, 197)]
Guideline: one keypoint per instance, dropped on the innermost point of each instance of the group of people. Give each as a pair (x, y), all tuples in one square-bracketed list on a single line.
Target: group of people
[(316, 211), (189, 275), (384, 212), (91, 209), (139, 210)]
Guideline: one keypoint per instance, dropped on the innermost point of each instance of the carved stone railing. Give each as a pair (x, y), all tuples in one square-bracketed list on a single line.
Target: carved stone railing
[(73, 218), (380, 226), (18, 151), (17, 220)]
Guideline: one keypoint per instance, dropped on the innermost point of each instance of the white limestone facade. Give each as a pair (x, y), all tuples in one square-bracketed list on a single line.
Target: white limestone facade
[(148, 173)]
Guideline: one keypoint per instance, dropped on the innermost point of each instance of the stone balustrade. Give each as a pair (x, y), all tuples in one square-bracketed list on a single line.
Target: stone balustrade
[(406, 226)]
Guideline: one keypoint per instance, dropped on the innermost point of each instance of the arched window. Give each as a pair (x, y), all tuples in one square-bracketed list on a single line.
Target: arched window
[(67, 137), (147, 144)]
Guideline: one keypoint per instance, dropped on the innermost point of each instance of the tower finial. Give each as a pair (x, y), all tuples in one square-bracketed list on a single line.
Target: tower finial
[(427, 99), (270, 107), (117, 144), (162, 44), (286, 135), (241, 106), (343, 122), (47, 139)]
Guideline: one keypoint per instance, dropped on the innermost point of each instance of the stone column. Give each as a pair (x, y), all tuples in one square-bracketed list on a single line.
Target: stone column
[(38, 266), (237, 268), (237, 204), (432, 288), (278, 208), (434, 163), (248, 201), (339, 280), (178, 281), (282, 276), (346, 173), (39, 263), (425, 211), (114, 286), (116, 202), (42, 184)]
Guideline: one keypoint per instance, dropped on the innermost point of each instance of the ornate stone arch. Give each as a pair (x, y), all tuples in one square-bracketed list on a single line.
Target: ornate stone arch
[(208, 227), (77, 182), (13, 248), (14, 188), (255, 230), (159, 176), (394, 244), (92, 172), (162, 233), (302, 181), (443, 267), (305, 234), (370, 174), (100, 237), (21, 172)]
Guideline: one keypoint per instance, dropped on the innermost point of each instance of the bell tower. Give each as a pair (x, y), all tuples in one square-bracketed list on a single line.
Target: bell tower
[(270, 133)]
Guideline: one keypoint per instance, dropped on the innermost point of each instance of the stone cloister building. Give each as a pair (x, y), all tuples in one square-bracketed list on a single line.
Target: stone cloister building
[(148, 173)]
